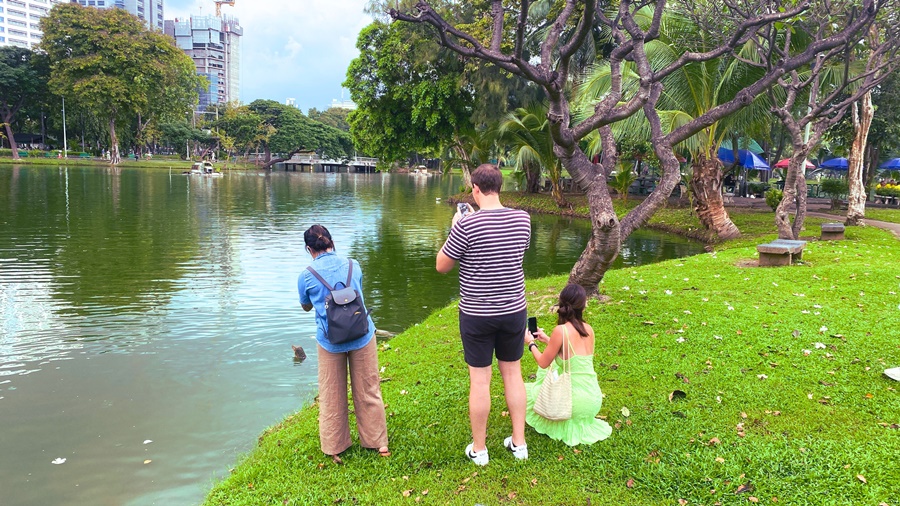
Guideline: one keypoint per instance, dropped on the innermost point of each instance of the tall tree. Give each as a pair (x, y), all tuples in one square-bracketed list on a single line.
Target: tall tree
[(811, 100), (409, 92), (527, 131), (106, 61), (731, 25), (286, 129), (23, 79)]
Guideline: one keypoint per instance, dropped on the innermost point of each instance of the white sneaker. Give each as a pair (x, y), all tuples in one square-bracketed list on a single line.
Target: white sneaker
[(894, 373), (519, 452), (479, 458)]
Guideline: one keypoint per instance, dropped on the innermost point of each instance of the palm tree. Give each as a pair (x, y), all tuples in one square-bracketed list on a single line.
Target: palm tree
[(471, 147), (527, 131), (693, 91)]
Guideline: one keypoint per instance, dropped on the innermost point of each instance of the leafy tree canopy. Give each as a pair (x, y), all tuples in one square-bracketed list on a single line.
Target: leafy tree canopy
[(335, 117), (407, 101), (292, 130)]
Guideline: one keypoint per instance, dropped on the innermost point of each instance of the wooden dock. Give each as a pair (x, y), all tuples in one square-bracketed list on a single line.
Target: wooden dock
[(311, 162)]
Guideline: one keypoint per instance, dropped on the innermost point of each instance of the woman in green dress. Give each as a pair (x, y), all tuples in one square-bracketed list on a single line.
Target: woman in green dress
[(571, 341)]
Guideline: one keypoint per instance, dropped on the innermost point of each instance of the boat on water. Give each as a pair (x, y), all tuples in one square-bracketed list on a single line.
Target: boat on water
[(204, 168)]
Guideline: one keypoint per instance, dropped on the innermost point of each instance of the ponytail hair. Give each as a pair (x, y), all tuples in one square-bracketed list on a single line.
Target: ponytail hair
[(572, 301), (318, 239)]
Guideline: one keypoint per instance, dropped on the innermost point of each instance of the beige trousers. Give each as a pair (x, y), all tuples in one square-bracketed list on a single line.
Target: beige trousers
[(365, 384)]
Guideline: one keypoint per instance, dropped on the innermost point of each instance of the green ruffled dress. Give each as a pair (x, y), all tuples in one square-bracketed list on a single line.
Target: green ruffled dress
[(587, 398)]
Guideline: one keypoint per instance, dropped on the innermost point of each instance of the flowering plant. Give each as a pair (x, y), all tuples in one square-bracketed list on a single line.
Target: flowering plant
[(887, 190)]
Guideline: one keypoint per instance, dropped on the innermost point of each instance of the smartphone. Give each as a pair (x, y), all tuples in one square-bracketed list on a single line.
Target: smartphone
[(463, 208), (532, 324)]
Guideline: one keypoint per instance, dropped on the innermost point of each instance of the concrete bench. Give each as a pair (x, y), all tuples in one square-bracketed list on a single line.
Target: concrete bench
[(790, 242), (776, 254), (832, 232)]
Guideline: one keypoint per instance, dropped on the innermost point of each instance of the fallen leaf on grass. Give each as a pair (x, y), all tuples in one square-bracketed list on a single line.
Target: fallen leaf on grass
[(676, 395), (861, 478), (147, 461), (720, 460), (626, 411), (630, 483), (753, 499), (407, 493), (714, 441), (746, 487)]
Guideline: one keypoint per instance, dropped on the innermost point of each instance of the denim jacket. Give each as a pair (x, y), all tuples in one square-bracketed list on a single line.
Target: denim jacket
[(334, 270)]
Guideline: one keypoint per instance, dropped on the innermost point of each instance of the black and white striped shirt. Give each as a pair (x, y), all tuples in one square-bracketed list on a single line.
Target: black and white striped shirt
[(489, 246)]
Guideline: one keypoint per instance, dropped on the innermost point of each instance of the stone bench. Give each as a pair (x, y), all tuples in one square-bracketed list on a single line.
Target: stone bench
[(832, 232), (781, 253), (790, 242)]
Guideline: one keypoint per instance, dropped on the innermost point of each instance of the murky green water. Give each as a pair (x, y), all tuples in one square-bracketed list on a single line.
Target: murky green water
[(147, 317)]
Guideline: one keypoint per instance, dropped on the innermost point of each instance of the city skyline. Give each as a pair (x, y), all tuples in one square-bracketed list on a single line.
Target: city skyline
[(297, 50)]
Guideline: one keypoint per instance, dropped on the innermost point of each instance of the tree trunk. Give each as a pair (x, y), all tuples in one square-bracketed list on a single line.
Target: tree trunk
[(464, 166), (856, 199), (794, 195), (706, 184), (12, 139), (603, 247), (115, 157)]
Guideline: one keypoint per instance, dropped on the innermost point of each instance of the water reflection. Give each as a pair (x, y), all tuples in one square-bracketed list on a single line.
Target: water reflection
[(147, 305)]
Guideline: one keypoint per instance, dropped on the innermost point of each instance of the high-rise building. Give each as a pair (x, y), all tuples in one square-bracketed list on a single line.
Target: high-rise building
[(150, 11), (214, 43), (20, 21)]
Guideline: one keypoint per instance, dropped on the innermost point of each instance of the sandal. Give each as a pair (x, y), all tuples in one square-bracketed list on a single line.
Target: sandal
[(384, 452), (337, 460)]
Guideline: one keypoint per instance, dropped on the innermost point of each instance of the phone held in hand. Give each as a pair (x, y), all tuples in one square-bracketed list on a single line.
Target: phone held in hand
[(532, 324), (463, 208)]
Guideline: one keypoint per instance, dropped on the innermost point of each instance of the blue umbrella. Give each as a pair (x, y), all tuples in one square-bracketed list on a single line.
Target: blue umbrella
[(746, 159), (892, 164), (835, 163)]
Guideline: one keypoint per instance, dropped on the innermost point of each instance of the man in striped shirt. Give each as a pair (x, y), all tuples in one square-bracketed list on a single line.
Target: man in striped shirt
[(489, 246)]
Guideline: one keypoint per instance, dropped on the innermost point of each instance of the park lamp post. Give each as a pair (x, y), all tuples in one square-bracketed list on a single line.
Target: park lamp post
[(65, 141)]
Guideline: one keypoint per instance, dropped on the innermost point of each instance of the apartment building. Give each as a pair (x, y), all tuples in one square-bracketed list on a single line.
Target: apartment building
[(214, 43), (150, 11), (20, 21)]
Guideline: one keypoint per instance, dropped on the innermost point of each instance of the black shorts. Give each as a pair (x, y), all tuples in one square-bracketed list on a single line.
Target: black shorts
[(483, 335)]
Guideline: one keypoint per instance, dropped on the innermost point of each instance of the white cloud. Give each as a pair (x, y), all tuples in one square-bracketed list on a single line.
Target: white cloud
[(297, 49)]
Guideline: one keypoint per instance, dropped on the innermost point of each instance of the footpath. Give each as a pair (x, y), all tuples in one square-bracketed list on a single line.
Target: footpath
[(818, 208)]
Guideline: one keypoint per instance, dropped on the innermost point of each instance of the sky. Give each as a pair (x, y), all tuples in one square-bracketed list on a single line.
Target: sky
[(291, 48)]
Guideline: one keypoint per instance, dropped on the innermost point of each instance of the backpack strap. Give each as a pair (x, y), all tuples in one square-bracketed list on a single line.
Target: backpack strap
[(329, 287), (349, 272), (316, 274)]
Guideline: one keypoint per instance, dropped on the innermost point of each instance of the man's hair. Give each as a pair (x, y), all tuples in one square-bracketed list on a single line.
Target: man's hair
[(488, 178)]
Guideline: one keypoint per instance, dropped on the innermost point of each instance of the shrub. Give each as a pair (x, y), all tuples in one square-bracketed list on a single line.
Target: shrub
[(757, 188), (835, 188), (622, 181), (773, 197)]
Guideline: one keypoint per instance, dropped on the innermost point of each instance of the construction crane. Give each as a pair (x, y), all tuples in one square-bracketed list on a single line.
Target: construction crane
[(219, 4)]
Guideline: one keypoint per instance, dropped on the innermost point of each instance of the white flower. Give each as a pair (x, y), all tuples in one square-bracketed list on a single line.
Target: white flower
[(705, 299), (823, 328), (762, 376), (806, 352), (730, 308), (686, 311), (774, 283), (817, 306), (668, 292), (58, 460), (718, 337), (805, 311), (626, 288), (679, 340), (819, 346)]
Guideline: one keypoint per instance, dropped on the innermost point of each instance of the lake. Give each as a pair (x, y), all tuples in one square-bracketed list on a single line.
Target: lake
[(148, 316)]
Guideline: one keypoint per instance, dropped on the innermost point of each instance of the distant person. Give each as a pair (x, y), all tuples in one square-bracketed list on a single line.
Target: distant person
[(571, 341), (489, 246), (359, 355)]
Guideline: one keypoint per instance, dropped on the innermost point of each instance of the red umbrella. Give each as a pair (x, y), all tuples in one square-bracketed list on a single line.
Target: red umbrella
[(783, 164)]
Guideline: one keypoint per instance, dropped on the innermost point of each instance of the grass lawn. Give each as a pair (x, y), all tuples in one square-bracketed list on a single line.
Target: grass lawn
[(782, 370)]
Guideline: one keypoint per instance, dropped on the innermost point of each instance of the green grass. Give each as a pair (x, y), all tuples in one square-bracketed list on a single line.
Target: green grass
[(799, 427), (164, 163)]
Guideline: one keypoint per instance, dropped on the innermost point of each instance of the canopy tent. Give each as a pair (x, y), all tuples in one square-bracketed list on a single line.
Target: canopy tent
[(783, 164), (835, 163), (892, 164), (746, 159), (743, 143)]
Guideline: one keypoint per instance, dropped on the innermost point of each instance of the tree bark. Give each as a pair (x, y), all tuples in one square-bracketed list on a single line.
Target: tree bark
[(856, 199), (115, 157), (794, 195), (706, 184), (12, 139)]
